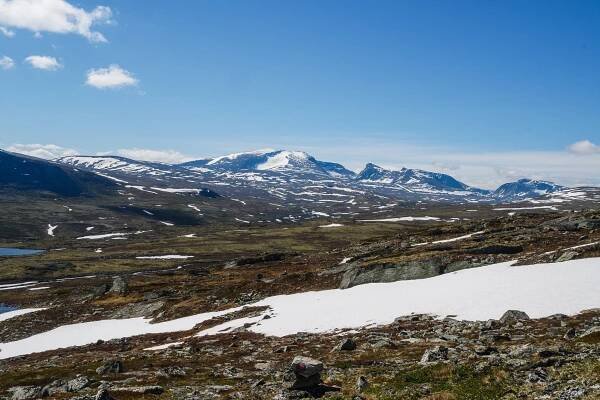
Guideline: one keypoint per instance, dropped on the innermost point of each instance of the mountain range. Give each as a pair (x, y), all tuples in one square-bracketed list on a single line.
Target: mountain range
[(293, 177), (259, 187), (284, 171)]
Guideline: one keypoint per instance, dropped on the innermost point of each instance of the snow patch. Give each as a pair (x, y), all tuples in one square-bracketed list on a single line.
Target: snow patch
[(167, 257)]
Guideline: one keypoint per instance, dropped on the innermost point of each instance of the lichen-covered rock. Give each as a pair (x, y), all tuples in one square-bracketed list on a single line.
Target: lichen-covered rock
[(513, 316), (437, 353)]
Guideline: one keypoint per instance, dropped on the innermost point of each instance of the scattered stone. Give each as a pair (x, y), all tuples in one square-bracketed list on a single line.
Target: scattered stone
[(110, 367), (513, 316), (139, 389), (435, 354), (103, 394), (567, 255), (538, 375), (361, 383), (485, 350), (346, 344), (307, 372), (25, 392), (592, 332), (75, 385), (170, 372)]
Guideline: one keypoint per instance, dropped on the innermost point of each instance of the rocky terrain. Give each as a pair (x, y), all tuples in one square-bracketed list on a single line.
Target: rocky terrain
[(415, 357)]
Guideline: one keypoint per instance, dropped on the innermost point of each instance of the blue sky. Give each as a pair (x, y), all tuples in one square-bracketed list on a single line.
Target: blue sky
[(484, 90)]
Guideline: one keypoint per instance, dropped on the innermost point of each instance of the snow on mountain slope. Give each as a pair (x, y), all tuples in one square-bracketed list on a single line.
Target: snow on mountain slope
[(239, 160), (113, 163), (296, 177), (286, 159), (525, 188), (415, 181), (281, 161)]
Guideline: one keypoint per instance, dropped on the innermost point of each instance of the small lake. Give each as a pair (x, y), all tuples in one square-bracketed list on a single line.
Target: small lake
[(12, 251), (4, 308)]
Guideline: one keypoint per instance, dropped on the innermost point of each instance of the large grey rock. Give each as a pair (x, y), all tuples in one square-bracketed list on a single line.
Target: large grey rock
[(75, 385), (110, 367), (54, 387), (103, 394), (25, 392), (567, 255), (137, 310), (359, 274), (306, 366), (513, 316), (592, 332), (347, 344), (307, 372), (119, 286)]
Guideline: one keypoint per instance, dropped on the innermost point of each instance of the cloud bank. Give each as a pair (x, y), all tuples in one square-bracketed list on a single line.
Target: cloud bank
[(113, 77), (45, 151), (164, 156), (54, 16)]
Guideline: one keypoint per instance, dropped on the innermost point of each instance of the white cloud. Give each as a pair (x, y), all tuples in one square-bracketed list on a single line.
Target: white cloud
[(7, 32), (584, 147), (113, 77), (6, 62), (46, 151), (44, 62), (164, 156), (55, 16)]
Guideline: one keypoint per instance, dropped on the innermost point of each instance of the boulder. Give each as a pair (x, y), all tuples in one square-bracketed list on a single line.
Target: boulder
[(347, 344), (306, 366), (567, 255), (591, 333), (513, 316), (103, 394), (75, 385), (25, 392), (357, 274), (307, 372), (119, 286), (110, 367)]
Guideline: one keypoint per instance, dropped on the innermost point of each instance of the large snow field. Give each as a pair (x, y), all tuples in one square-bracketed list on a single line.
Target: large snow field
[(474, 294)]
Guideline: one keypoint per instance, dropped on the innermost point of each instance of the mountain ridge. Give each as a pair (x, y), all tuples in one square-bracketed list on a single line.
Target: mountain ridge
[(276, 170)]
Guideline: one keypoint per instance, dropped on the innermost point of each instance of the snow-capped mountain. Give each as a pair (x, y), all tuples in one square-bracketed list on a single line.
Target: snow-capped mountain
[(415, 181), (296, 177), (525, 189), (282, 161), (114, 163)]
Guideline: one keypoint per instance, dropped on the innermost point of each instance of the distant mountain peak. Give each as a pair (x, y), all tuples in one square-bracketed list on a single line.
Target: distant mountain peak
[(275, 161), (237, 156), (526, 188)]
